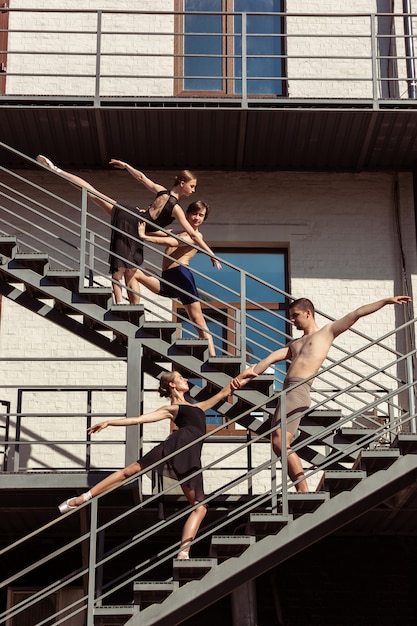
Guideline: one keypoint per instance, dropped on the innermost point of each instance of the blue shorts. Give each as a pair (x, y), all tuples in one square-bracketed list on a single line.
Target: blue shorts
[(179, 276)]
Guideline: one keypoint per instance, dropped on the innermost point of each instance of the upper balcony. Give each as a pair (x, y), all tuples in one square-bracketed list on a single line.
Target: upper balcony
[(261, 90)]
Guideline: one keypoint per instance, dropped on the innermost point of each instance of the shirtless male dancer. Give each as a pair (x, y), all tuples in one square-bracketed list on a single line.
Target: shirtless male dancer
[(175, 269), (306, 354)]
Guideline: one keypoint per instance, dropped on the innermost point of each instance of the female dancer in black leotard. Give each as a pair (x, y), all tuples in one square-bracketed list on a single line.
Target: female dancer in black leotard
[(126, 251), (190, 420)]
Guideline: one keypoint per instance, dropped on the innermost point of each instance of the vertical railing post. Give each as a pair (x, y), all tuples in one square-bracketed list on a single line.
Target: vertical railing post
[(83, 238), (411, 392), (91, 246), (284, 454), (92, 563), (134, 397), (98, 59), (244, 62), (241, 343), (374, 61)]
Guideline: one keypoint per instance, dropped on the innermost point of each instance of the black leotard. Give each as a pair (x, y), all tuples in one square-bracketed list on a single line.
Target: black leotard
[(165, 218), (124, 250), (191, 422)]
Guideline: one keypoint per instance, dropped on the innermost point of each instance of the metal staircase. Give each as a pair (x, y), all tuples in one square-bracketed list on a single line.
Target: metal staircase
[(358, 443)]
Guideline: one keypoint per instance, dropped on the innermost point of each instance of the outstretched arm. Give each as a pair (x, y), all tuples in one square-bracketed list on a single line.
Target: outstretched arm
[(137, 175), (339, 326), (165, 412), (254, 370), (235, 383)]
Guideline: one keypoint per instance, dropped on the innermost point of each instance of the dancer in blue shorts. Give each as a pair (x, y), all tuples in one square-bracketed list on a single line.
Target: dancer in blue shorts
[(175, 270)]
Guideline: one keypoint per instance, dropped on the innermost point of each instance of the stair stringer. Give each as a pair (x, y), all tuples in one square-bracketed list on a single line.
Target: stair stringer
[(269, 552)]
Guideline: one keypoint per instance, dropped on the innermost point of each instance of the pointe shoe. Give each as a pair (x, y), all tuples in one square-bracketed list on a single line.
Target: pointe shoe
[(43, 160), (64, 507), (183, 555)]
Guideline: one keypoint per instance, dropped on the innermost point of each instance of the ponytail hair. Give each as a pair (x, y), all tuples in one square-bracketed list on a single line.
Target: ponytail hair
[(164, 389)]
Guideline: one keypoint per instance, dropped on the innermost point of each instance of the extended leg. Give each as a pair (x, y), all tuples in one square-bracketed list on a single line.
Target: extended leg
[(197, 318), (107, 483), (105, 202)]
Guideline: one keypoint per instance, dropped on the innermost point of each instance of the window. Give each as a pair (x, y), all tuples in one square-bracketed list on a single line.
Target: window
[(266, 325), (214, 57)]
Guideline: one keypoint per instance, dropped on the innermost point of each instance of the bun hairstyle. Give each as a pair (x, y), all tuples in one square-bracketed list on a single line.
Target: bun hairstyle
[(184, 177), (164, 389)]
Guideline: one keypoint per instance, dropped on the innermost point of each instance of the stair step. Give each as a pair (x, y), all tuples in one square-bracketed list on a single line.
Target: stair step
[(375, 460), (232, 366), (100, 296), (308, 502), (8, 247), (227, 546), (38, 263), (353, 434), (70, 279), (150, 592), (325, 417), (336, 481), (113, 615), (185, 570), (197, 348), (263, 524), (406, 442), (159, 330), (132, 313)]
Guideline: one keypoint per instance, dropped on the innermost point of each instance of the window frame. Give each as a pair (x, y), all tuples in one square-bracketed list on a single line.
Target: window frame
[(228, 80)]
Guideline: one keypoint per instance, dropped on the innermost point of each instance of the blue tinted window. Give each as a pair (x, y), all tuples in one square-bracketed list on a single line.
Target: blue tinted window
[(203, 52), (204, 47), (265, 316)]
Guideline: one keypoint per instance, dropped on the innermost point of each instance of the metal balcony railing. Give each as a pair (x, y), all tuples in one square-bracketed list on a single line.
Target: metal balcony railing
[(233, 59)]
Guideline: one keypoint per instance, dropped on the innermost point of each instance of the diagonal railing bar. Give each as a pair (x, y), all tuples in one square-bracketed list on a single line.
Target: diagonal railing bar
[(281, 293), (353, 446), (58, 250), (18, 196)]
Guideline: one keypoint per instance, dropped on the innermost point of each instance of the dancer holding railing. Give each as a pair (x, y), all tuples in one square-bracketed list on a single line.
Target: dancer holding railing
[(126, 252), (306, 354), (190, 421)]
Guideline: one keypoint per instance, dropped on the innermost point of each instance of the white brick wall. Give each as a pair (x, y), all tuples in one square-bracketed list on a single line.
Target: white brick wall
[(343, 252), (329, 50), (37, 51)]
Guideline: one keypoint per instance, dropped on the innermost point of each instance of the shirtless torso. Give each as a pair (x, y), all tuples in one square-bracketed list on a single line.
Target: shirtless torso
[(308, 352)]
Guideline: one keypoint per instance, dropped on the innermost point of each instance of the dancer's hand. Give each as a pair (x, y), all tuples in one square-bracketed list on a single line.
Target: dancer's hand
[(97, 427), (120, 165), (216, 263), (142, 229), (399, 300)]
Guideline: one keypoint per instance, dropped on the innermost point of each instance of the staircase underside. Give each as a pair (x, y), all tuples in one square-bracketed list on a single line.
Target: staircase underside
[(392, 487)]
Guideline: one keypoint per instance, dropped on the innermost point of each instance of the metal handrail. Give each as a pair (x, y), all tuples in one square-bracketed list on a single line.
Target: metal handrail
[(361, 46), (391, 393), (95, 265), (146, 566)]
